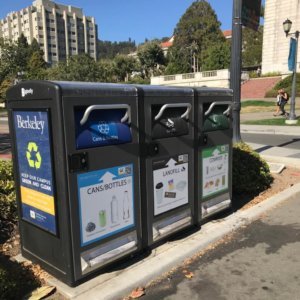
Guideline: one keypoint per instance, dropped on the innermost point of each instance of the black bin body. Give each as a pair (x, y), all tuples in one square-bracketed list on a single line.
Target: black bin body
[(76, 160), (214, 151), (167, 167)]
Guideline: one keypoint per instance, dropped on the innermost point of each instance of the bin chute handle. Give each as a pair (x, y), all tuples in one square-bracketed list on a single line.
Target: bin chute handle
[(171, 105), (126, 117), (226, 112)]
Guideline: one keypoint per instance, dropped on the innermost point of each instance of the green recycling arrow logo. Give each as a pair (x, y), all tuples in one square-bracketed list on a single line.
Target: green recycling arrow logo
[(33, 155)]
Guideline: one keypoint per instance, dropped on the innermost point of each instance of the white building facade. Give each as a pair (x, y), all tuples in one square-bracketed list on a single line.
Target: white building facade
[(60, 30), (275, 43)]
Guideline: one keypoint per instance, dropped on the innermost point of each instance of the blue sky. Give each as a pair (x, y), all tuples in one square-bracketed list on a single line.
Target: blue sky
[(119, 20)]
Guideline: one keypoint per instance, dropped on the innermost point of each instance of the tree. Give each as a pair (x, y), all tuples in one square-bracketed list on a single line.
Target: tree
[(151, 57), (123, 66), (252, 47), (36, 66), (197, 30), (217, 57)]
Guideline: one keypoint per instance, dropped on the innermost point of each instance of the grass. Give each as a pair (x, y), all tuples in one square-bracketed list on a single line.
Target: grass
[(259, 103), (271, 122)]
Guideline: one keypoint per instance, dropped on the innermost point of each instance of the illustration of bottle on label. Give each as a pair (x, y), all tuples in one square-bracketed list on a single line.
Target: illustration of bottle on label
[(102, 218), (159, 192), (114, 210), (126, 213)]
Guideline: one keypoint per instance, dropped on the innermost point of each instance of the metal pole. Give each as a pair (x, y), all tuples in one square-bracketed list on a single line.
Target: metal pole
[(235, 68), (292, 119)]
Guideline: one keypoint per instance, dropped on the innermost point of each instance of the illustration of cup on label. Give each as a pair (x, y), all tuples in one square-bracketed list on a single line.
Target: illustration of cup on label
[(180, 186), (126, 213), (171, 184), (102, 218), (159, 192), (114, 210)]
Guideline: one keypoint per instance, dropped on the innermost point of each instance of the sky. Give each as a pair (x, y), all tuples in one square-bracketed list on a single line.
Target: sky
[(119, 20)]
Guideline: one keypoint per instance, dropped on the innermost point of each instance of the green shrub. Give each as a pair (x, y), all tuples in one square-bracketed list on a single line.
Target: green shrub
[(8, 207), (286, 84), (250, 173)]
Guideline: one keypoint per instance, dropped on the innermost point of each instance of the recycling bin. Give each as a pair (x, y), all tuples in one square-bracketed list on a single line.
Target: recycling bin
[(214, 151), (167, 164), (76, 160)]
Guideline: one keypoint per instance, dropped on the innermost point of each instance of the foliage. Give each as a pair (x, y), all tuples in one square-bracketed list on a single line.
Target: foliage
[(109, 50), (257, 103), (217, 57), (197, 31), (250, 173), (252, 47), (4, 86), (286, 83), (151, 57), (271, 122), (8, 208), (123, 67), (16, 280)]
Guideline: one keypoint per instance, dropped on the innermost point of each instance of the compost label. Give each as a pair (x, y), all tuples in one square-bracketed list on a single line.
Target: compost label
[(215, 168), (170, 183), (35, 168), (106, 202)]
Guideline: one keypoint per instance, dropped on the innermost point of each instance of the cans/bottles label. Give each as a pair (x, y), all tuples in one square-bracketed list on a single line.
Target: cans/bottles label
[(106, 202)]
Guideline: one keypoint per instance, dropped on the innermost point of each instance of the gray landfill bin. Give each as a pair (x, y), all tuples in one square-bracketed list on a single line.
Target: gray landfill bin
[(214, 151), (76, 160), (167, 165)]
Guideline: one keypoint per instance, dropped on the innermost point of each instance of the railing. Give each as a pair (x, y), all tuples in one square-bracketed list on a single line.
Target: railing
[(169, 77)]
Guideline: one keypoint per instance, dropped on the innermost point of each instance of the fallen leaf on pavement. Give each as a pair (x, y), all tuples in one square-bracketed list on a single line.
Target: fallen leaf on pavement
[(40, 293), (188, 274), (137, 293)]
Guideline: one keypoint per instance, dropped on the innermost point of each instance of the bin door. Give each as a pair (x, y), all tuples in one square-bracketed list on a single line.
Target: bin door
[(169, 167), (103, 160)]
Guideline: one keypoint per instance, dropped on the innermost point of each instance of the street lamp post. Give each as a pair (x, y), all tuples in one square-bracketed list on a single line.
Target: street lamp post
[(292, 119)]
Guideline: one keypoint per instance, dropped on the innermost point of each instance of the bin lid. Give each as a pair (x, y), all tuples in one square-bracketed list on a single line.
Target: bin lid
[(215, 92), (40, 89), (165, 91)]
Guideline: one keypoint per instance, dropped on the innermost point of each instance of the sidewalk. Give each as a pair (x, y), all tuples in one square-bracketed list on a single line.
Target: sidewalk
[(118, 284)]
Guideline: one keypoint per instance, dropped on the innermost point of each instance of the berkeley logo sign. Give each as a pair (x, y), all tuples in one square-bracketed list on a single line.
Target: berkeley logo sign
[(25, 92), (33, 124)]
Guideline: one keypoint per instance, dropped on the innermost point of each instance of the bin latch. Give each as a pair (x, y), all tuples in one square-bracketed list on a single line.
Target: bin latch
[(203, 139), (78, 162), (152, 149)]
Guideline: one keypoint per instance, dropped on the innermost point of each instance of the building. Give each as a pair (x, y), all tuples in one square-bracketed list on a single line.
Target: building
[(60, 30), (275, 43)]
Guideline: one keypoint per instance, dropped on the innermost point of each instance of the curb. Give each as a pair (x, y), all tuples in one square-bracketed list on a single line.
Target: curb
[(265, 129), (120, 283)]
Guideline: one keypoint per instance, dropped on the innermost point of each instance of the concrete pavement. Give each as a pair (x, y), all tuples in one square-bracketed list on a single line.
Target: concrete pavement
[(117, 284)]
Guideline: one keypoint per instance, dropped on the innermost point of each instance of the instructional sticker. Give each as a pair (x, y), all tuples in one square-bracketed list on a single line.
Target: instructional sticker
[(106, 202), (35, 168), (170, 179), (215, 168)]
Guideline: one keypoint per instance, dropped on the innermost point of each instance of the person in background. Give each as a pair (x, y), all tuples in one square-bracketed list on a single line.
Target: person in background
[(282, 98)]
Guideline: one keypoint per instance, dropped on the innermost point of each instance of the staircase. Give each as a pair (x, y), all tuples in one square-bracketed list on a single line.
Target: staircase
[(257, 87)]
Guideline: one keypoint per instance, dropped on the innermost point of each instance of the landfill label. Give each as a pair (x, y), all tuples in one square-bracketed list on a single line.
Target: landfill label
[(35, 168), (215, 170), (106, 201), (170, 183)]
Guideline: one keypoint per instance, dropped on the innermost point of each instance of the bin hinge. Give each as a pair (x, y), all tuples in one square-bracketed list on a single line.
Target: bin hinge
[(78, 162)]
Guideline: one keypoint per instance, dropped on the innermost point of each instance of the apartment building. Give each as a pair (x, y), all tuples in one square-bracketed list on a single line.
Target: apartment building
[(61, 30), (275, 43)]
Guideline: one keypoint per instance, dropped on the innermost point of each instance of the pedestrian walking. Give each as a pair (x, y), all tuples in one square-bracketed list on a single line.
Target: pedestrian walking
[(281, 101)]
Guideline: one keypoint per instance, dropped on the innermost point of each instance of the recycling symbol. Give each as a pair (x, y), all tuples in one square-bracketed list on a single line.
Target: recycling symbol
[(33, 155), (103, 128)]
